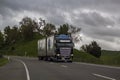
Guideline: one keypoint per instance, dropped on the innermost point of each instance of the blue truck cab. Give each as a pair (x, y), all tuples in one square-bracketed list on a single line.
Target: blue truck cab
[(63, 47)]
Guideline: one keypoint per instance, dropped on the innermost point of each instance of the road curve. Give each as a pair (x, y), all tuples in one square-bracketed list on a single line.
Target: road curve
[(41, 70)]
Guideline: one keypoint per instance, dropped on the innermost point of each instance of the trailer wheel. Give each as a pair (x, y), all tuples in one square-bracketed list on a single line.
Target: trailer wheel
[(46, 58)]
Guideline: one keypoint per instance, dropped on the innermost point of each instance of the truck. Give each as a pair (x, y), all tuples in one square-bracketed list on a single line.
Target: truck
[(56, 48)]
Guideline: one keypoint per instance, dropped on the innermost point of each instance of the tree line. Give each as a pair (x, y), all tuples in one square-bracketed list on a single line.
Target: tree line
[(28, 27)]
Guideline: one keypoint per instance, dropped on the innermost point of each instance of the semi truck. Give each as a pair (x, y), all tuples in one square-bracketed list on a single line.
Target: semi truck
[(56, 48)]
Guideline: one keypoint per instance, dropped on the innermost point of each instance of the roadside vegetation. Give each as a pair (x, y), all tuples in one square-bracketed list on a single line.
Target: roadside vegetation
[(22, 40), (80, 56), (3, 61), (107, 57), (111, 57), (24, 48)]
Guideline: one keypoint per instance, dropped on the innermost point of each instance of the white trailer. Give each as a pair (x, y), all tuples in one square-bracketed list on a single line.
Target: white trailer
[(45, 48)]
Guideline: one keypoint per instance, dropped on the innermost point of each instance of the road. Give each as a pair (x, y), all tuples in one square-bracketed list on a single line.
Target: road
[(21, 68)]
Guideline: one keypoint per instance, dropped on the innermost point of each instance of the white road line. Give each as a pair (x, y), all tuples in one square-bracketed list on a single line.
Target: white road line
[(64, 66), (26, 69), (51, 63), (105, 77), (8, 58), (98, 65)]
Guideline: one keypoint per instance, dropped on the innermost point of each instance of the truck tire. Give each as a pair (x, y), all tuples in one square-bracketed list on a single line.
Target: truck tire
[(39, 58)]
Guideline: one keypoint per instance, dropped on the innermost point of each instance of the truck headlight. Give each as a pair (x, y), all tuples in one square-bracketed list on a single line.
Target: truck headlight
[(71, 54), (58, 54)]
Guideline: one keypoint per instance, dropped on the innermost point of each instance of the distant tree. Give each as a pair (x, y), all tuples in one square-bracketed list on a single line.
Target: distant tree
[(11, 34), (83, 47), (1, 40), (93, 48), (66, 28), (49, 29), (96, 49), (27, 28), (63, 29), (15, 34), (74, 29), (39, 25), (7, 31)]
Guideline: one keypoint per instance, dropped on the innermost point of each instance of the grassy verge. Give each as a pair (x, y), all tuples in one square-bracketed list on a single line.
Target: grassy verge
[(3, 61), (80, 56), (107, 58), (24, 48), (111, 57)]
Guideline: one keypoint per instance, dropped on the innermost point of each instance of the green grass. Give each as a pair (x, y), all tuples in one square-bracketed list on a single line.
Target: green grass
[(22, 47), (3, 61), (30, 48), (107, 57), (111, 57), (80, 56)]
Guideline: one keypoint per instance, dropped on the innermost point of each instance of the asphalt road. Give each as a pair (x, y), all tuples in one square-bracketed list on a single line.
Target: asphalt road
[(20, 68)]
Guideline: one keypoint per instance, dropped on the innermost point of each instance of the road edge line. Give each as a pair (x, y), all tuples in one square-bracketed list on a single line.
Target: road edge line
[(105, 77), (64, 66), (98, 65), (8, 58), (26, 69)]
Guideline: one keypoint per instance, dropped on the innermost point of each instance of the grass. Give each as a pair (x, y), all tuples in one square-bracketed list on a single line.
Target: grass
[(80, 56), (107, 57), (3, 61), (111, 57), (24, 48)]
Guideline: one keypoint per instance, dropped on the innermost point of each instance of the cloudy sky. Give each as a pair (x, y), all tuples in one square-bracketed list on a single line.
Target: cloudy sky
[(99, 19)]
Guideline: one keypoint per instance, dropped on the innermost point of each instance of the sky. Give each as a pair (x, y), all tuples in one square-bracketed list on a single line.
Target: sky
[(98, 19)]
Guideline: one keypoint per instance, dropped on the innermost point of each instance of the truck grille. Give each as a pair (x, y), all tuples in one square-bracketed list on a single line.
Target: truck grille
[(65, 51)]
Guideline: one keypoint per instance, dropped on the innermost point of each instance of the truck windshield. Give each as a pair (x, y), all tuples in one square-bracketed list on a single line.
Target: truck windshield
[(65, 44)]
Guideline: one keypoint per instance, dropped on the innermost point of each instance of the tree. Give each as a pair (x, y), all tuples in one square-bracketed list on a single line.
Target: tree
[(96, 49), (11, 34), (66, 28), (49, 29), (93, 48), (63, 29), (27, 28), (1, 40), (7, 35), (74, 29), (83, 47)]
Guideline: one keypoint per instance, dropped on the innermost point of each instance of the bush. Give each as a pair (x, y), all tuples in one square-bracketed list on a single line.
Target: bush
[(1, 56), (93, 48)]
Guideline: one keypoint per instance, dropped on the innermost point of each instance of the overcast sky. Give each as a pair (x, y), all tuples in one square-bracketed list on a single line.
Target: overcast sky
[(99, 19)]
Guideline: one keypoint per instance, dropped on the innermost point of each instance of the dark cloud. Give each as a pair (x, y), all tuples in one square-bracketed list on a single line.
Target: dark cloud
[(99, 19)]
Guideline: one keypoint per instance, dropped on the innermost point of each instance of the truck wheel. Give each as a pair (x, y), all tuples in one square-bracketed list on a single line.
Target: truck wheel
[(39, 58), (46, 58)]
